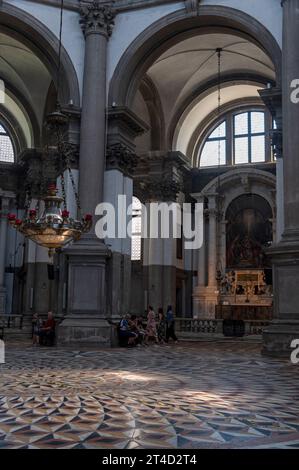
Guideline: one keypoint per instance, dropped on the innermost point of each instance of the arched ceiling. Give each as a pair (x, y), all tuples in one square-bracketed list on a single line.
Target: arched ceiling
[(201, 109), (25, 76), (193, 62), (186, 74)]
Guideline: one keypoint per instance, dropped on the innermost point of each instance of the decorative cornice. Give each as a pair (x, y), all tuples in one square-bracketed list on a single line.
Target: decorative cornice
[(96, 18), (192, 6), (119, 157), (276, 136), (159, 189), (272, 98), (124, 117)]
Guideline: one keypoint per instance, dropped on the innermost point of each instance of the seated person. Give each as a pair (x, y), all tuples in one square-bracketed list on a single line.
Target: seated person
[(47, 331), (125, 332), (135, 326)]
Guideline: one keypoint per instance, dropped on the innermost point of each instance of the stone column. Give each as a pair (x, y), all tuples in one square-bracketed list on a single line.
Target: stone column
[(87, 259), (199, 289), (212, 243), (290, 68), (3, 237), (205, 295), (97, 21), (285, 254), (201, 265)]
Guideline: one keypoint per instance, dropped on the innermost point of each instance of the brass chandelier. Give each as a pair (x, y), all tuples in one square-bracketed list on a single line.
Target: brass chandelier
[(54, 228)]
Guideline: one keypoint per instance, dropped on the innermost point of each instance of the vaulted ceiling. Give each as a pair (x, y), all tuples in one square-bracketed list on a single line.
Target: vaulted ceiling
[(26, 81), (185, 77)]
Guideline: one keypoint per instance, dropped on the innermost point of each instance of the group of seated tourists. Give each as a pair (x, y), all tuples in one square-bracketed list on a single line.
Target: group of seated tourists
[(137, 331), (43, 331)]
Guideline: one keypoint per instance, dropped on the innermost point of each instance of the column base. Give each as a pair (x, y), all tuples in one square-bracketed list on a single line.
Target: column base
[(205, 300), (87, 265), (85, 331), (284, 328), (2, 300), (277, 338)]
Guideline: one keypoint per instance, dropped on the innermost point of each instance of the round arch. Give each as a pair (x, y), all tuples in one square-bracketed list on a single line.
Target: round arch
[(213, 120), (227, 80), (44, 44), (234, 183), (164, 33)]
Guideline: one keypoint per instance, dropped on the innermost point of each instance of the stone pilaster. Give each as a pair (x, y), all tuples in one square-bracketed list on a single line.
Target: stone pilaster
[(285, 254), (200, 288), (121, 161), (272, 98), (212, 249), (160, 178), (3, 237), (205, 294)]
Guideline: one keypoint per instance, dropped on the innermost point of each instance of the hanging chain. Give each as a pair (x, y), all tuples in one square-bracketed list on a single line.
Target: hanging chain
[(62, 182), (28, 200), (60, 48), (219, 264), (219, 104), (75, 191)]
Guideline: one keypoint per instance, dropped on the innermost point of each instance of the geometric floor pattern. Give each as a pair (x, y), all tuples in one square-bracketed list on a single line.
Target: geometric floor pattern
[(196, 395)]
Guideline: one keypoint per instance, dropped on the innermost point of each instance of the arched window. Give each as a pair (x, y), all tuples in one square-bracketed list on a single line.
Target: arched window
[(241, 138), (214, 150), (136, 229), (249, 137), (6, 147)]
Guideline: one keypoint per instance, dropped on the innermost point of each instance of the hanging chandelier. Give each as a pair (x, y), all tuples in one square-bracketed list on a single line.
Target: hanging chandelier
[(54, 228)]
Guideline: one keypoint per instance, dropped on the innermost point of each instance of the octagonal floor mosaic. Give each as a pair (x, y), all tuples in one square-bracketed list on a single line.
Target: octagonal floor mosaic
[(197, 395)]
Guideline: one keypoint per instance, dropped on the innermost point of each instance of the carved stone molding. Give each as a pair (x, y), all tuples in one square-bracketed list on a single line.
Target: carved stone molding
[(277, 142), (272, 97), (96, 18), (192, 6), (162, 176), (119, 157), (159, 189)]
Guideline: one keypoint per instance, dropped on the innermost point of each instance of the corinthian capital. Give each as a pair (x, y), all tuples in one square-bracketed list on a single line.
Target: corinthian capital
[(96, 18)]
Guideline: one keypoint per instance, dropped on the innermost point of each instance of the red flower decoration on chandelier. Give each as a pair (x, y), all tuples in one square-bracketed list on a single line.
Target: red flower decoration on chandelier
[(32, 214), (53, 229), (65, 214), (11, 217)]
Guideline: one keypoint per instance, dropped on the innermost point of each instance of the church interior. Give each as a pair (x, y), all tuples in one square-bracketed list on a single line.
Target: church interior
[(163, 101)]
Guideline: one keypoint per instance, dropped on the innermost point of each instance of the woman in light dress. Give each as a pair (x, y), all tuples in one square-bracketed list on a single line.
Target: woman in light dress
[(151, 327)]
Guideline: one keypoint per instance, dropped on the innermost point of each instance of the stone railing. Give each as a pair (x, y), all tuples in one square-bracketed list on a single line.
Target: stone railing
[(11, 321), (211, 327), (255, 327), (194, 325)]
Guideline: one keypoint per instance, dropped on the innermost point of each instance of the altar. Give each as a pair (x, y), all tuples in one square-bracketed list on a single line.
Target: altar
[(245, 295)]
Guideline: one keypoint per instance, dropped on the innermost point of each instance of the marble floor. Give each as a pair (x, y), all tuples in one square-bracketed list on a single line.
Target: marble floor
[(197, 395)]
